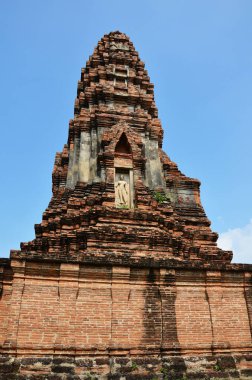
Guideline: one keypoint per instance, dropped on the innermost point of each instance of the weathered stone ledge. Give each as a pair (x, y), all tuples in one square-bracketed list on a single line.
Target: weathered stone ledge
[(111, 259), (127, 368)]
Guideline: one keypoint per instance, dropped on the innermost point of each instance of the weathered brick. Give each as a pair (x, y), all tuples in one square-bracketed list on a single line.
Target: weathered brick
[(124, 278)]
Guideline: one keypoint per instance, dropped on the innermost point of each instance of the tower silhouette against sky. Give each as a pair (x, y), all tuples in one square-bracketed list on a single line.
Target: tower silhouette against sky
[(124, 279), (116, 132)]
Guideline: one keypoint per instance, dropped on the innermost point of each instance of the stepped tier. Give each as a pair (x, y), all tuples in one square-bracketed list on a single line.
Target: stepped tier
[(114, 151)]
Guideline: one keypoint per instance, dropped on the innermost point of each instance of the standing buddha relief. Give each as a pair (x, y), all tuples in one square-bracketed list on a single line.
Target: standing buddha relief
[(123, 178), (122, 192)]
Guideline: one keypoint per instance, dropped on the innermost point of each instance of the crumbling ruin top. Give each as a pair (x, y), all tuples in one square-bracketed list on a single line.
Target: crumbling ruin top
[(115, 192)]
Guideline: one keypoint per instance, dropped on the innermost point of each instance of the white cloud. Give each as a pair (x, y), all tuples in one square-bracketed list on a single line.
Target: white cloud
[(238, 240)]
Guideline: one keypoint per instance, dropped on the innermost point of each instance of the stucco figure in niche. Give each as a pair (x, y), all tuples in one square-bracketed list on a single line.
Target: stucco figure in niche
[(122, 196)]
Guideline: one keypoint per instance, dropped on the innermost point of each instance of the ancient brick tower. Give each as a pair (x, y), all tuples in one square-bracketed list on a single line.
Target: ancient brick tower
[(124, 279)]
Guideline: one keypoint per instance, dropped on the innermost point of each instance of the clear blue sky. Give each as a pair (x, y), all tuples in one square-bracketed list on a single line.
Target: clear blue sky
[(199, 57)]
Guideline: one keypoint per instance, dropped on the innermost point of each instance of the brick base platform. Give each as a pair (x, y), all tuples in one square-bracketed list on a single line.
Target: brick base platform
[(127, 368), (144, 320)]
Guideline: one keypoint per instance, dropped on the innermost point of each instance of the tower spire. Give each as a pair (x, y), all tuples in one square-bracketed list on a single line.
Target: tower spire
[(114, 189)]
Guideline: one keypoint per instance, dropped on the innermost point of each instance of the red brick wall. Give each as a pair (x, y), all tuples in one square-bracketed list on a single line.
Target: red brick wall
[(60, 308), (5, 296)]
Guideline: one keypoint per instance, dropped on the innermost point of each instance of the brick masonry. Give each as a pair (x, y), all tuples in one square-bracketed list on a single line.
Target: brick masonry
[(130, 318), (130, 290)]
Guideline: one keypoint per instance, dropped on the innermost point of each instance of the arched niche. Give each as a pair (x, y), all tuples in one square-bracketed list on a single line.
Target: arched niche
[(123, 146), (123, 166)]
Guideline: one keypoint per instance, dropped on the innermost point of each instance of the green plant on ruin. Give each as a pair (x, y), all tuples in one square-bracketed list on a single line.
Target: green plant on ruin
[(217, 367), (164, 371), (124, 207), (160, 197), (134, 366)]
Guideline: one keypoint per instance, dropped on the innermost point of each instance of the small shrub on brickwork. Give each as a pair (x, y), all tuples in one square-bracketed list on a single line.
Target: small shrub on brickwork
[(164, 371), (160, 198), (217, 367), (134, 366), (123, 207)]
